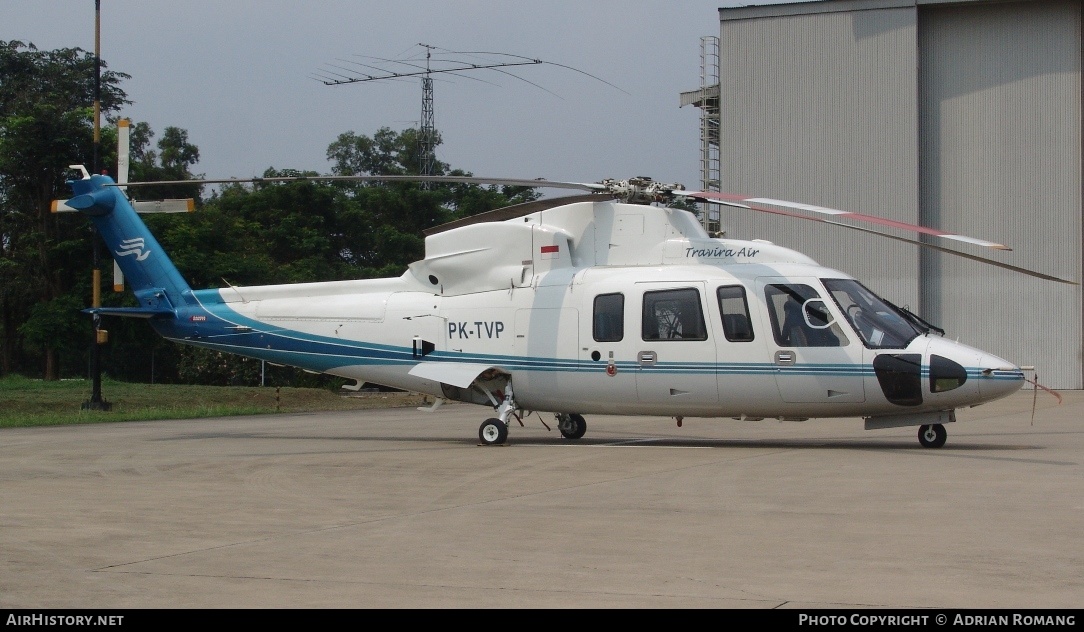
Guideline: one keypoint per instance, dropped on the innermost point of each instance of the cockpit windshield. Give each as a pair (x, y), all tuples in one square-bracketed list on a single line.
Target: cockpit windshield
[(878, 323)]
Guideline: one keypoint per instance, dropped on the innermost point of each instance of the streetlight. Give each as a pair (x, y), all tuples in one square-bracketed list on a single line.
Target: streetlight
[(96, 402)]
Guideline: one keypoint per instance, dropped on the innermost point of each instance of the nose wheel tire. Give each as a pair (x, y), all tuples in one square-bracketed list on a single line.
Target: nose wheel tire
[(932, 436), (493, 432), (572, 426)]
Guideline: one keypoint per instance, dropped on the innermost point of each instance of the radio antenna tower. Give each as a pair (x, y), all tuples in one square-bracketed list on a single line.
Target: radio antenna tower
[(427, 129), (449, 62)]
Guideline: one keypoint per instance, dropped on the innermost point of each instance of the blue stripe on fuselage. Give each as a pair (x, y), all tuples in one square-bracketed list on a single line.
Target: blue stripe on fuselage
[(214, 325)]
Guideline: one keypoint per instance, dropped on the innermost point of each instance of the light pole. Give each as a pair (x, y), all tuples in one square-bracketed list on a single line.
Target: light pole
[(96, 402)]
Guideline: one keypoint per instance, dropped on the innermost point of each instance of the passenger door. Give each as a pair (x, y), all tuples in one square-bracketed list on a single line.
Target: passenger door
[(675, 348)]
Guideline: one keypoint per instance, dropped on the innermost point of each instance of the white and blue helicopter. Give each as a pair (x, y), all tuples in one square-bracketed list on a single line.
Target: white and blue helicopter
[(600, 303)]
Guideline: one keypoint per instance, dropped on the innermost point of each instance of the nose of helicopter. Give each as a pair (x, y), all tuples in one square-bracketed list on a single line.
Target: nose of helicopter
[(997, 377), (968, 376)]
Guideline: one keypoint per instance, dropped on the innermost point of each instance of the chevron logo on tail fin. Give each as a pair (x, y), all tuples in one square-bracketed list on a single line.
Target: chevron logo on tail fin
[(133, 246)]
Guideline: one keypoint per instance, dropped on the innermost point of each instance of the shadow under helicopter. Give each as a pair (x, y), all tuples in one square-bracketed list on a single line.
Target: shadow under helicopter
[(967, 446)]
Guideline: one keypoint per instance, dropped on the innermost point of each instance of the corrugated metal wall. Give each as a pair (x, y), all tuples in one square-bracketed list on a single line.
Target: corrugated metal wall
[(821, 109), (1000, 158), (963, 116)]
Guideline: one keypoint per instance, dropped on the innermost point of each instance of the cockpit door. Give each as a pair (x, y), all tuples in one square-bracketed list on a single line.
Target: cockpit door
[(815, 355)]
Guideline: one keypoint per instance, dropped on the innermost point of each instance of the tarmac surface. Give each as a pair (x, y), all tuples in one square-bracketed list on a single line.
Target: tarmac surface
[(404, 509)]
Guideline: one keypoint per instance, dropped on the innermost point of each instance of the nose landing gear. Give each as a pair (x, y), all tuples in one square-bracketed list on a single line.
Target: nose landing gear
[(493, 432), (932, 435)]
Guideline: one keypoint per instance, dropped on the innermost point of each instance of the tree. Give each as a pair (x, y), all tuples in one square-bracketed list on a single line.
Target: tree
[(262, 234), (386, 153), (46, 123), (398, 213), (173, 160)]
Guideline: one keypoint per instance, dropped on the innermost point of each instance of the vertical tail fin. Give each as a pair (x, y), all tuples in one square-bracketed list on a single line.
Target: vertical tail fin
[(157, 284)]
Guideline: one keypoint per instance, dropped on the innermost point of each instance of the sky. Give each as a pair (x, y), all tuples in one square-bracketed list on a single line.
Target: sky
[(243, 78)]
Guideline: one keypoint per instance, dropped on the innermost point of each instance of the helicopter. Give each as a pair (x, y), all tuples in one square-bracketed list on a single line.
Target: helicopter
[(604, 302)]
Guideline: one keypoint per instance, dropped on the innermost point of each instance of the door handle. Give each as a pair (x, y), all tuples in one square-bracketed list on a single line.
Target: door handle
[(784, 357)]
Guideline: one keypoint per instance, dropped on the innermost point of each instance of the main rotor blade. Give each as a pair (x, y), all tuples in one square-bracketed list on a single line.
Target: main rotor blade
[(755, 204), (514, 182), (993, 262), (965, 255)]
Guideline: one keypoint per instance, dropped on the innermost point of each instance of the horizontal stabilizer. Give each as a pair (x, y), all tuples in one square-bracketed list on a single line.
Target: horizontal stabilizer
[(131, 312), (185, 205)]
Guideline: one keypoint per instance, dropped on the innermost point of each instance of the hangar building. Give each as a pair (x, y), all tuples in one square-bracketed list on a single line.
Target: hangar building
[(962, 115)]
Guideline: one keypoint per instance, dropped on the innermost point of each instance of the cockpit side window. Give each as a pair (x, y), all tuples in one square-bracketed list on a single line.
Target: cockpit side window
[(734, 308), (800, 317), (609, 323), (673, 315), (878, 324)]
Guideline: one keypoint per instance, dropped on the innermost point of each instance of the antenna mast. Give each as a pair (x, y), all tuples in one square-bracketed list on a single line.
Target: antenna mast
[(427, 131), (449, 62), (427, 127)]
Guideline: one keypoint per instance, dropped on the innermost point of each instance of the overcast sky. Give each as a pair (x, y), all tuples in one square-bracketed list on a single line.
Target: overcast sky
[(241, 78)]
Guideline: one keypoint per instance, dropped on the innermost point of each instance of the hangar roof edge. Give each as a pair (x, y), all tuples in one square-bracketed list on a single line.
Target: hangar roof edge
[(832, 6)]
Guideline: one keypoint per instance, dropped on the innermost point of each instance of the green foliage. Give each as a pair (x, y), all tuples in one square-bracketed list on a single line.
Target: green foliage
[(685, 205), (204, 366), (46, 123), (172, 161), (30, 402), (385, 153), (57, 323), (399, 212)]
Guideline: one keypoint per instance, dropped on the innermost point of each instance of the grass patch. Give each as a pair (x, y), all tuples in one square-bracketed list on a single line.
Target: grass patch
[(25, 402)]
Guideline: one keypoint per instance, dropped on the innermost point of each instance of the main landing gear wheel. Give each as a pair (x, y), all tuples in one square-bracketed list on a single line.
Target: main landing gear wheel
[(572, 426), (493, 432), (932, 436)]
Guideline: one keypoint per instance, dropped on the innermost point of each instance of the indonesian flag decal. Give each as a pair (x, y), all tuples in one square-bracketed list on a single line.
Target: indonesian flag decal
[(550, 252)]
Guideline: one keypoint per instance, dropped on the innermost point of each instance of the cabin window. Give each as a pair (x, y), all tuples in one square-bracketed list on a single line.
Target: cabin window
[(800, 317), (734, 308), (609, 317), (673, 315)]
